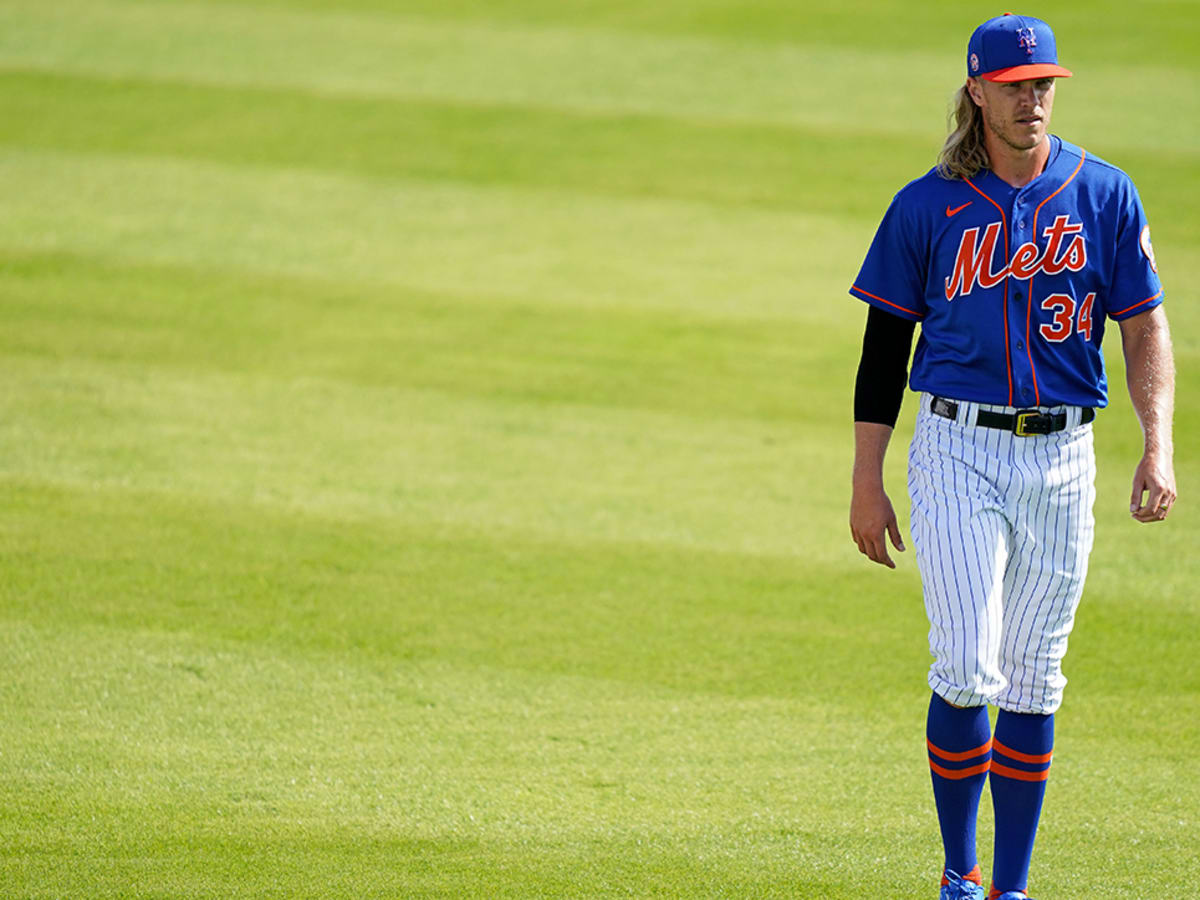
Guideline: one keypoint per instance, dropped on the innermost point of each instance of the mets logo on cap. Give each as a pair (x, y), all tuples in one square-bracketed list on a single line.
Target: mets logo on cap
[(1027, 38)]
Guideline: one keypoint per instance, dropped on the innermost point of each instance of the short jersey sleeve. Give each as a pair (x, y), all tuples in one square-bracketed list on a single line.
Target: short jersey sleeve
[(893, 275), (1135, 287)]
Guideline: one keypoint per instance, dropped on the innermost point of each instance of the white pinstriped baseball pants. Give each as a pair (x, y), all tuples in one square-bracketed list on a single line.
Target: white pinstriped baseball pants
[(1002, 527)]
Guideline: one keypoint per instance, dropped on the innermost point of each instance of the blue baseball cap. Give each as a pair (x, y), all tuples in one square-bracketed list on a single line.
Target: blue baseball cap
[(1013, 48)]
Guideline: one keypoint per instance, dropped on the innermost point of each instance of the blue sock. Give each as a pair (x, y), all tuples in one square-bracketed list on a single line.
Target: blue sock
[(959, 748), (1020, 766)]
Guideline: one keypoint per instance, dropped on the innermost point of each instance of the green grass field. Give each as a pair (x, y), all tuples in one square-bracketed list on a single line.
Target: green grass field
[(425, 451)]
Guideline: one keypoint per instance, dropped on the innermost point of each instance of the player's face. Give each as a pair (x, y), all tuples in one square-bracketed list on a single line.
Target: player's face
[(1018, 112)]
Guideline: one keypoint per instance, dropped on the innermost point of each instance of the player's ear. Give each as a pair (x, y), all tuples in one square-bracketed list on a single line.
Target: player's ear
[(975, 89)]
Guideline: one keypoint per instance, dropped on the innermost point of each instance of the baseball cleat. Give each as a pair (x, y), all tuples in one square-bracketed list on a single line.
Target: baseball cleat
[(956, 887), (1013, 895)]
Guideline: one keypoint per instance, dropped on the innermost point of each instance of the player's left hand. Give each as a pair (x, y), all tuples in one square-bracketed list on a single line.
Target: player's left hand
[(1153, 489)]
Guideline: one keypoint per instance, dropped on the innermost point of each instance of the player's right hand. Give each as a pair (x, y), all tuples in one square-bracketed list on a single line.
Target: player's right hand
[(871, 517), (1153, 488)]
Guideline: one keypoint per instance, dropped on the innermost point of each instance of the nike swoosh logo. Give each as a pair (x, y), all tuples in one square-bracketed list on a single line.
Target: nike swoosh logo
[(950, 212)]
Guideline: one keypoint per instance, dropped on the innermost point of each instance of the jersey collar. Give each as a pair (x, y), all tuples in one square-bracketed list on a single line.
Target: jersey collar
[(1060, 167)]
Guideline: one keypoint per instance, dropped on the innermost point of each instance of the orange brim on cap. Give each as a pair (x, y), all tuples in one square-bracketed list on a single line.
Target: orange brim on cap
[(1027, 73)]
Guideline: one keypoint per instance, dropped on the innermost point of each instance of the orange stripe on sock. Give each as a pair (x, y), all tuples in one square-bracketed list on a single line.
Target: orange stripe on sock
[(958, 757), (1022, 757), (1019, 774), (959, 774)]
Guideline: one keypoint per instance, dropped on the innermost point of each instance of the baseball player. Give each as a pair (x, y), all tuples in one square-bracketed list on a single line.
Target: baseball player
[(1012, 253)]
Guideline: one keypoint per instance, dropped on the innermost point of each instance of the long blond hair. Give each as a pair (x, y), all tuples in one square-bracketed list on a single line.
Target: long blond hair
[(964, 154)]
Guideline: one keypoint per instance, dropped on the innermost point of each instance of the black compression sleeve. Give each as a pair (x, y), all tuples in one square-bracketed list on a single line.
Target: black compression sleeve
[(883, 369)]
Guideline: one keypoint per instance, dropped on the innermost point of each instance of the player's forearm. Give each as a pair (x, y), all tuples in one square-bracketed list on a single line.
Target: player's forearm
[(1150, 375), (870, 447)]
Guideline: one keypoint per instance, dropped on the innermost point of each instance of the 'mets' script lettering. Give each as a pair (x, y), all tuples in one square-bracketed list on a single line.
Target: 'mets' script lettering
[(1065, 251)]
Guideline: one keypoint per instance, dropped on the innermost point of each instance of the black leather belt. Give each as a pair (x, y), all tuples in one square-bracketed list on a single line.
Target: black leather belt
[(1022, 423)]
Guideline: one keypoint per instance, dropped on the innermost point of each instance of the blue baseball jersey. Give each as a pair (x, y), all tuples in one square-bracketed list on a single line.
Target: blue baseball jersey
[(1012, 286)]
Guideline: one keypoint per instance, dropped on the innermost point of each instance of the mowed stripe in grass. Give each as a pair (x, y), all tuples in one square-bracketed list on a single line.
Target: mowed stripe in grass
[(721, 162), (775, 166), (396, 55), (830, 85), (423, 457), (879, 25), (188, 319), (325, 581), (501, 241)]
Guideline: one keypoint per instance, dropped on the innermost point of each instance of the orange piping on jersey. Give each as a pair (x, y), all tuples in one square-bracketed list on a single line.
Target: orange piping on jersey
[(957, 757), (1019, 774), (1120, 312), (1037, 397), (911, 312), (960, 774), (1022, 757), (1007, 261)]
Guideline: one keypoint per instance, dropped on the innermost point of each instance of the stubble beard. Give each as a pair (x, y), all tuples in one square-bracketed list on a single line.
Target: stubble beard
[(1001, 134)]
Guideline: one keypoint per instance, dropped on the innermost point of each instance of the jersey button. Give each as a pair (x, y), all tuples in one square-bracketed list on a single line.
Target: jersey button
[(1016, 295), (1020, 345)]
